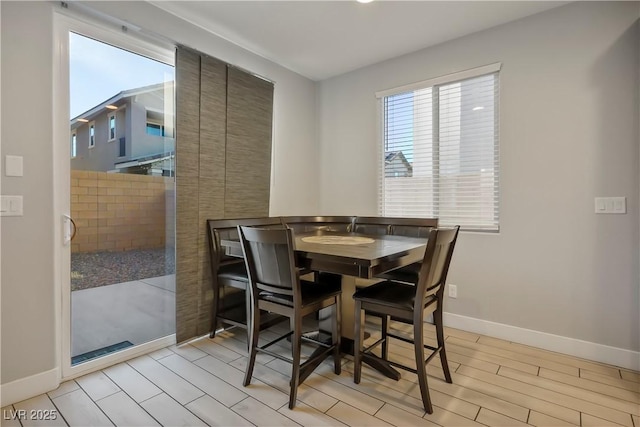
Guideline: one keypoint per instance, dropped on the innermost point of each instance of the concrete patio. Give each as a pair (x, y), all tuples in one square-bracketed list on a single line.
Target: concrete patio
[(137, 311)]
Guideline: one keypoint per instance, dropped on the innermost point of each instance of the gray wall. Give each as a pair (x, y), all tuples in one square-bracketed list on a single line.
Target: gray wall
[(104, 154), (28, 317), (131, 123), (569, 132), (140, 144), (27, 269)]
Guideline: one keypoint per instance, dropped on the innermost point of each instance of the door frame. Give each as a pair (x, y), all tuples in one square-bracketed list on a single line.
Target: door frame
[(109, 31)]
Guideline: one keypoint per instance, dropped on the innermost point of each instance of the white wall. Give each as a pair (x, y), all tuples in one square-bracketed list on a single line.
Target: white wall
[(569, 132), (28, 315)]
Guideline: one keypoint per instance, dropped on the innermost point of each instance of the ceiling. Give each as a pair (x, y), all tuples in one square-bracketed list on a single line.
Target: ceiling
[(322, 39)]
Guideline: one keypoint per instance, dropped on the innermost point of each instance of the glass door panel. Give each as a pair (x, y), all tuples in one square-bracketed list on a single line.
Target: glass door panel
[(122, 150)]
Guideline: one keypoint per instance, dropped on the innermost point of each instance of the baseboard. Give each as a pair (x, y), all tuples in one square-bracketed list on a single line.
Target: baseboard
[(43, 382), (587, 350), (25, 388)]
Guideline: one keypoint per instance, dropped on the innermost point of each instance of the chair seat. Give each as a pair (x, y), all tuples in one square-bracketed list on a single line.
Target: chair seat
[(312, 292), (391, 294), (408, 274)]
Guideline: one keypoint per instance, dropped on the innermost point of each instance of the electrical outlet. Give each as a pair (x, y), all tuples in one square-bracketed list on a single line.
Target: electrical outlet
[(453, 291)]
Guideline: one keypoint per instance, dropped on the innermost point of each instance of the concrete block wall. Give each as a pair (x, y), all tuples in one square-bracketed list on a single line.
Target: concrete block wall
[(119, 212)]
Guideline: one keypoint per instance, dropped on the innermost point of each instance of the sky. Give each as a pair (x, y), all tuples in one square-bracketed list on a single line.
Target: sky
[(99, 71)]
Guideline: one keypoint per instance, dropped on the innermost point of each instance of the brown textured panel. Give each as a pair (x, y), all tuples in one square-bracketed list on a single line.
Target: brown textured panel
[(187, 172), (248, 153), (213, 117), (186, 315), (187, 113), (210, 207), (186, 259), (223, 169)]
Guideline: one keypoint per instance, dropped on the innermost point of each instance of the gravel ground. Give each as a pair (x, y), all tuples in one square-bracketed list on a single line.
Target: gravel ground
[(90, 270)]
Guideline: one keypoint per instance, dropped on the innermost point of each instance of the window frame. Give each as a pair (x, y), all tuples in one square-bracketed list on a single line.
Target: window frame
[(159, 125), (115, 127), (74, 144), (435, 84), (92, 134), (122, 140), (72, 17)]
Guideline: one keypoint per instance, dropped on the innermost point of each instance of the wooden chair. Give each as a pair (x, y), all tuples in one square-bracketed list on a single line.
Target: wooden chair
[(381, 225), (408, 304), (373, 226), (409, 227), (229, 278), (276, 287), (304, 224), (413, 227)]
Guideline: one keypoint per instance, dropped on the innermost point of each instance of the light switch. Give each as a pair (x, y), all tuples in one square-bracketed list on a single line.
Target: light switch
[(13, 165), (619, 205), (11, 206), (611, 205)]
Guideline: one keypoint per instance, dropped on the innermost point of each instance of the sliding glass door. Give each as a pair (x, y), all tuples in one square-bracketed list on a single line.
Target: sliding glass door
[(120, 231)]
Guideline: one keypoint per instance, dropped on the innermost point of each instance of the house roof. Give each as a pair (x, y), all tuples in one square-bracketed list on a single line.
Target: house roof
[(115, 100), (390, 156)]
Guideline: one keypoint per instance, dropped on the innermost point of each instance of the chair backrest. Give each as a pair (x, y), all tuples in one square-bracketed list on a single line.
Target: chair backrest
[(304, 224), (409, 227), (435, 265), (373, 225), (270, 261), (227, 229), (413, 227)]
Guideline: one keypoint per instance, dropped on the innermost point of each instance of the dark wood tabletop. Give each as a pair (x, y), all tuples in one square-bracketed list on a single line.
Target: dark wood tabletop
[(366, 260)]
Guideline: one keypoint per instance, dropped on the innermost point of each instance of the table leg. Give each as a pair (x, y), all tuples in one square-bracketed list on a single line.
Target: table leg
[(348, 307), (348, 289)]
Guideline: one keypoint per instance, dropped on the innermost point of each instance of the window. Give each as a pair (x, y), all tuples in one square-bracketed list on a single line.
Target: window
[(157, 130), (122, 149), (112, 127), (154, 129), (92, 135), (74, 144), (440, 150)]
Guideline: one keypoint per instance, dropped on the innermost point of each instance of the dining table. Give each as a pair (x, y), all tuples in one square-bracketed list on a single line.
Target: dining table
[(351, 256)]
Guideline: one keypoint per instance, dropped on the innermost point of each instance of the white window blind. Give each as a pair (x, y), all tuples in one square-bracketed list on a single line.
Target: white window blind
[(440, 154)]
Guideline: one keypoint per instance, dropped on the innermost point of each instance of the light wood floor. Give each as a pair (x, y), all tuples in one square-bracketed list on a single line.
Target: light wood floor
[(495, 383)]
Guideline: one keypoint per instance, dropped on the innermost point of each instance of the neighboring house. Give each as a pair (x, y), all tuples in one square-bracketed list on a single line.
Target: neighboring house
[(128, 133), (396, 165)]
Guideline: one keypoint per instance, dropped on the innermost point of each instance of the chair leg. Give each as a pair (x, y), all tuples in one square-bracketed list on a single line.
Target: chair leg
[(253, 328), (421, 367), (358, 338), (336, 332), (214, 310), (248, 312), (296, 344), (437, 321), (385, 331)]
